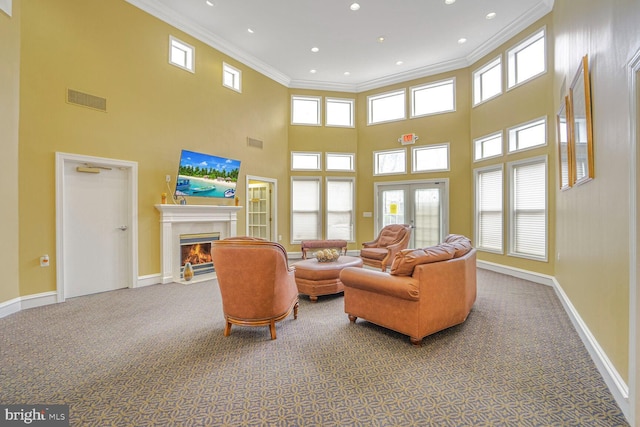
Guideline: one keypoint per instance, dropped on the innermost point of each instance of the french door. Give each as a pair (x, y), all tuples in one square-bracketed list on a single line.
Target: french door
[(421, 204)]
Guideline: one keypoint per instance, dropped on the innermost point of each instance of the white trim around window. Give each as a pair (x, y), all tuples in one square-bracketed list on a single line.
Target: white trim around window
[(528, 233), (430, 158), (489, 208), (182, 55), (433, 98), (487, 81), (306, 110), (306, 208), (231, 77), (527, 136), (306, 161), (527, 60), (340, 213), (390, 162), (339, 112), (343, 162), (488, 146), (386, 107)]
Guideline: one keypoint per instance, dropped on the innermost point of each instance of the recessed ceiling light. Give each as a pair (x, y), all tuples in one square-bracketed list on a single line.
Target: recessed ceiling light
[(210, 3), (399, 62), (449, 1), (354, 6), (381, 39), (346, 73), (312, 71), (462, 40), (315, 49), (491, 15), (250, 30)]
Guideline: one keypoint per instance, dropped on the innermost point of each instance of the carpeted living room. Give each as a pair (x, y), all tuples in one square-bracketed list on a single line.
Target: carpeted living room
[(137, 132)]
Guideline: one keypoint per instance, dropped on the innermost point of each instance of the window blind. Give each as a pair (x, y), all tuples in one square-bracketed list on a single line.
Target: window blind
[(489, 205), (529, 206), (305, 206)]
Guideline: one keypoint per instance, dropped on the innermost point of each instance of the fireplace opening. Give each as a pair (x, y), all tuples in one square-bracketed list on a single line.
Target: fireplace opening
[(196, 250)]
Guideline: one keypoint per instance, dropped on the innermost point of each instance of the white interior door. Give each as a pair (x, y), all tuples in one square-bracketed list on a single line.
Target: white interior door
[(423, 205), (261, 192), (96, 229)]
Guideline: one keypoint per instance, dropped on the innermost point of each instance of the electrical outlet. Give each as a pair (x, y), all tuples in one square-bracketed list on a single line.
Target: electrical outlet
[(168, 178)]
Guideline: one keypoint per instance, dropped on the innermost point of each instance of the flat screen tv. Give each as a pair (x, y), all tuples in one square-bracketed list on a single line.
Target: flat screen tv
[(205, 175)]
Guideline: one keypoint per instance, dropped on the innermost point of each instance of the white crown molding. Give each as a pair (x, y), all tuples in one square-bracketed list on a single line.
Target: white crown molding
[(171, 17)]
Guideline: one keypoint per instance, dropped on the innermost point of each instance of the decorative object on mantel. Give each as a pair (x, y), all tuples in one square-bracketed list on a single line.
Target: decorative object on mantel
[(327, 255), (188, 272)]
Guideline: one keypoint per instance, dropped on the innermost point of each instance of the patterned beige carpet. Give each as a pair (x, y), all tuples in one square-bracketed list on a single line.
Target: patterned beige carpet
[(156, 356)]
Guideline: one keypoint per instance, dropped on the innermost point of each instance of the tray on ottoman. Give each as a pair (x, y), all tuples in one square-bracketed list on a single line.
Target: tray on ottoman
[(322, 278)]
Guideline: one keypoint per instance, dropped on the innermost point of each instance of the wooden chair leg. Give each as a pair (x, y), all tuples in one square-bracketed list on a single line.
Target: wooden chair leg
[(352, 318), (295, 311), (227, 329), (272, 329)]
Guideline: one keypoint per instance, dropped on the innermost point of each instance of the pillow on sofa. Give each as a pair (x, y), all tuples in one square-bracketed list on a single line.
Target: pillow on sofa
[(406, 260), (460, 243)]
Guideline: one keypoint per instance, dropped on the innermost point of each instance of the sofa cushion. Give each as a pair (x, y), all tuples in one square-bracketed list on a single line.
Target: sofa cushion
[(460, 243), (406, 260)]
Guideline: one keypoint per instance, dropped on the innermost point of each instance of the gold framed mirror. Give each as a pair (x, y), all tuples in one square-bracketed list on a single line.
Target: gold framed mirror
[(580, 130), (564, 153)]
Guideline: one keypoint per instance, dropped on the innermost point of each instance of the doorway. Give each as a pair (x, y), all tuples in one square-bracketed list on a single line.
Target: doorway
[(261, 209), (96, 227), (424, 205)]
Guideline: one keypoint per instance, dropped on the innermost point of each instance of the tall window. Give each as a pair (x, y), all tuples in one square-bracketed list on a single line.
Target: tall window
[(340, 208), (527, 60), (339, 112), (489, 215), (528, 135), (305, 110), (305, 209), (487, 146), (528, 208), (433, 98), (386, 107), (181, 54), (487, 81), (231, 77)]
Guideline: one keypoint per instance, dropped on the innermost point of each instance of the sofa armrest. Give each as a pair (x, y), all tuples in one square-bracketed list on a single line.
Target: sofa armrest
[(404, 287)]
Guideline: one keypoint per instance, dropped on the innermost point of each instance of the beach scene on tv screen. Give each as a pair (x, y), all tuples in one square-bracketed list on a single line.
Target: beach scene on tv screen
[(205, 175)]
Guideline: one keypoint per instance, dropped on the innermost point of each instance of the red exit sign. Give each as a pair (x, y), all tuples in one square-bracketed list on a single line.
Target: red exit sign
[(408, 138)]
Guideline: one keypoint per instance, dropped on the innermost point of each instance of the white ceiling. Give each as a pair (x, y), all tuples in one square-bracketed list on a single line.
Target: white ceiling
[(423, 34)]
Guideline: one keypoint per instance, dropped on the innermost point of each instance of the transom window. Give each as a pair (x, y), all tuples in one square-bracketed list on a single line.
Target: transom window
[(305, 161), (487, 146), (430, 158), (386, 107), (231, 77), (527, 60), (340, 161), (487, 81), (390, 162), (528, 135), (181, 54), (433, 98), (305, 110), (339, 112)]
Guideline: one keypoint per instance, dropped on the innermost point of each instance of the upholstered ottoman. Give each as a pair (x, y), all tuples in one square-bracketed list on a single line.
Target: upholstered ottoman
[(322, 278)]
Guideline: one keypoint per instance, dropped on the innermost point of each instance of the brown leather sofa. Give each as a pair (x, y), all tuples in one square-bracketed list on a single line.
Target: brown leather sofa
[(427, 290), (256, 284), (379, 253)]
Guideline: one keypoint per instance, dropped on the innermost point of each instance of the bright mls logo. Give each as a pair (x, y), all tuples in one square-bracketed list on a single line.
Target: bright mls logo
[(35, 415)]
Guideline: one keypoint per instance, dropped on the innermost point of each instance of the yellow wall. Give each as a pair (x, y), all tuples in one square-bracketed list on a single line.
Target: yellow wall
[(516, 106), (592, 219), (9, 109), (116, 51)]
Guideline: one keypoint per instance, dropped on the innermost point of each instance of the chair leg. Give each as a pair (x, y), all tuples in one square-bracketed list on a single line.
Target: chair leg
[(272, 329), (227, 329), (295, 311)]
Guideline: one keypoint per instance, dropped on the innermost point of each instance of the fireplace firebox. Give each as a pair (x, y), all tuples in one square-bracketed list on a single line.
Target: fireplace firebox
[(196, 250)]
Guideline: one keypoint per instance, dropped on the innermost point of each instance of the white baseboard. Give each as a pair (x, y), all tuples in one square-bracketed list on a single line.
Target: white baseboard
[(30, 301), (148, 280), (9, 307), (618, 388)]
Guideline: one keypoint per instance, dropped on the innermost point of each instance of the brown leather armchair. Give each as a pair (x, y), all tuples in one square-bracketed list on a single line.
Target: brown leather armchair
[(380, 252), (257, 286)]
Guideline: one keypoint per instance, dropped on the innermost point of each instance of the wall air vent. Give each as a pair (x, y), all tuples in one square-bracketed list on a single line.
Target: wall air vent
[(86, 100), (251, 142)]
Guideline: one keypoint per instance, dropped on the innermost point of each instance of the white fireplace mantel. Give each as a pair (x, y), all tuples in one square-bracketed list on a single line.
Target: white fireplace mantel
[(183, 219)]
